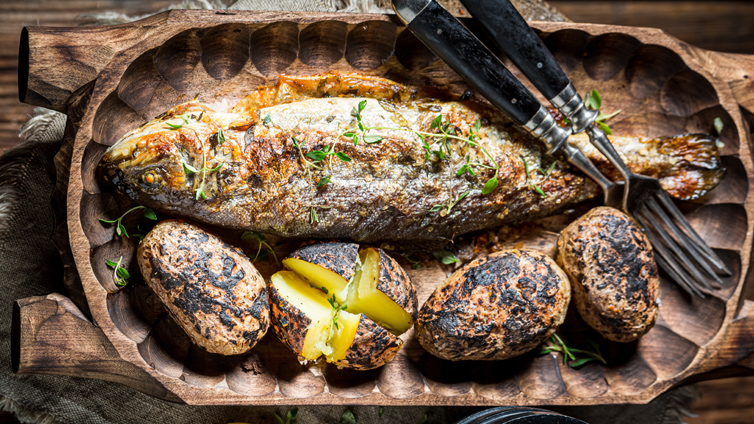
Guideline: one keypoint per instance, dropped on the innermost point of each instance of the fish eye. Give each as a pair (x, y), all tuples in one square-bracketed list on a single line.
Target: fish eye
[(151, 179)]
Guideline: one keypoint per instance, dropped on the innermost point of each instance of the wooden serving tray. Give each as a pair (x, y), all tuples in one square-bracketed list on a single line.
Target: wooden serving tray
[(111, 79)]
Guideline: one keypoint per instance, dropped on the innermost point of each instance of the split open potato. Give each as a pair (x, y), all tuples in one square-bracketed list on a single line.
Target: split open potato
[(345, 304)]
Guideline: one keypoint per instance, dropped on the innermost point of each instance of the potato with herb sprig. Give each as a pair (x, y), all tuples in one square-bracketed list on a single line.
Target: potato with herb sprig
[(347, 304)]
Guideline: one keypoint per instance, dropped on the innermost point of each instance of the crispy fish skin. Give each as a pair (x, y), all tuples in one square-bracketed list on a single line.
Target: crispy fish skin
[(386, 191)]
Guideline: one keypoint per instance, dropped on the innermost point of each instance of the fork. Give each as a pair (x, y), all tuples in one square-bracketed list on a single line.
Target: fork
[(685, 257), (681, 252)]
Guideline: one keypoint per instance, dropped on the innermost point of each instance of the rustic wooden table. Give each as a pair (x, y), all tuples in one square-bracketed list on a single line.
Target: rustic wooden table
[(716, 25)]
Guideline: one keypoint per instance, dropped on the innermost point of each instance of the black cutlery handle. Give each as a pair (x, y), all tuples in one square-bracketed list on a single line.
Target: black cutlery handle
[(464, 53), (520, 43), (524, 48)]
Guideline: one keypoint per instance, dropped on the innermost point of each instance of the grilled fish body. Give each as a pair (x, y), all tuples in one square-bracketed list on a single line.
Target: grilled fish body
[(257, 167)]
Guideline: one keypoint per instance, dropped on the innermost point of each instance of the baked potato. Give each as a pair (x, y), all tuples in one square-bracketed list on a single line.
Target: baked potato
[(345, 304), (495, 307), (209, 287), (612, 270)]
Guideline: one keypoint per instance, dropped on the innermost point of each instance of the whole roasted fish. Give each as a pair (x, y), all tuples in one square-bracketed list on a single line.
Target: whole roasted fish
[(345, 155)]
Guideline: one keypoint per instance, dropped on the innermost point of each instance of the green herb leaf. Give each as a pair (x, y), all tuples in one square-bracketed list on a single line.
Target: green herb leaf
[(436, 208), (324, 180), (173, 126), (278, 419), (347, 418), (313, 217), (123, 273), (423, 420), (538, 190), (372, 139), (296, 143), (292, 414), (593, 100), (220, 136), (579, 362), (316, 155), (149, 214), (217, 167), (342, 156), (437, 122), (200, 193), (477, 126), (110, 263), (605, 127), (267, 119), (718, 125), (354, 112), (379, 412), (603, 117), (355, 140), (445, 257), (362, 105), (189, 169), (490, 185)]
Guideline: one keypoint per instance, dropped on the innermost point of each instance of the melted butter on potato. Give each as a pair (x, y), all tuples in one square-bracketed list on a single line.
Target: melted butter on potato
[(362, 302)]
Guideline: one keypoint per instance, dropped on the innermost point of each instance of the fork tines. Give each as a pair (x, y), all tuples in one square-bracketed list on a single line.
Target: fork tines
[(681, 252)]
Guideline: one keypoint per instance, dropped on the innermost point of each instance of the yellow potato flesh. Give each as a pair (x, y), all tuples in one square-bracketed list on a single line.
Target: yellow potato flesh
[(331, 282), (343, 335), (368, 300), (313, 303), (312, 285)]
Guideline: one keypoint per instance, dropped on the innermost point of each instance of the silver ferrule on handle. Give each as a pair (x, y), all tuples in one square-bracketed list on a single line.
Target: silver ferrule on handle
[(408, 10), (543, 125), (570, 104)]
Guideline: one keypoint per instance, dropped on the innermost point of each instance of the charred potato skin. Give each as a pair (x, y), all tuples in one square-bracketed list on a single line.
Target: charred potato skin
[(396, 284), (610, 263), (337, 257), (372, 347), (495, 308), (289, 323), (208, 286)]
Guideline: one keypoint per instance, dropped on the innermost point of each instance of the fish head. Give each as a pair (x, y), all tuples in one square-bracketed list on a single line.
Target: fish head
[(148, 164)]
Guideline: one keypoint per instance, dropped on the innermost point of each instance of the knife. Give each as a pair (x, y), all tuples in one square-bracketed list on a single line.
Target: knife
[(450, 40)]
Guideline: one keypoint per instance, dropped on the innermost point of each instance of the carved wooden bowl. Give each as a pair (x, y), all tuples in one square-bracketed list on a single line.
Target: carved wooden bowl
[(119, 77)]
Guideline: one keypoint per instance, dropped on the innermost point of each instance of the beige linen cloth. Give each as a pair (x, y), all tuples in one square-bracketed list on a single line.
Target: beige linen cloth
[(31, 266)]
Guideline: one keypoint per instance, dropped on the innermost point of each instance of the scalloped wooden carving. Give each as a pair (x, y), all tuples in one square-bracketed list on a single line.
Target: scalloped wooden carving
[(663, 87)]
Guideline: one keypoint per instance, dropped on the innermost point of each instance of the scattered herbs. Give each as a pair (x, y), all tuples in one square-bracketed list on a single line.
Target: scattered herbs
[(347, 418), (556, 344), (415, 264), (121, 229), (189, 170), (220, 136), (593, 100), (449, 204), (445, 257), (183, 117), (267, 119), (440, 147), (290, 417), (313, 217), (528, 177), (335, 308), (120, 274), (261, 241)]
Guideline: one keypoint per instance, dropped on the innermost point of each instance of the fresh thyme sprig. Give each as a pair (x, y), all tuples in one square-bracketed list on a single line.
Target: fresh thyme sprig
[(593, 100), (313, 217), (556, 344), (120, 229), (443, 148), (184, 117), (336, 307), (445, 257), (528, 177), (120, 274), (261, 241), (201, 171), (445, 208)]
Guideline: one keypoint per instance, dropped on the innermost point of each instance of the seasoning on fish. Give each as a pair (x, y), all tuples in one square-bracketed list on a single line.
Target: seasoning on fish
[(345, 155)]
